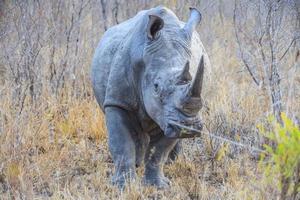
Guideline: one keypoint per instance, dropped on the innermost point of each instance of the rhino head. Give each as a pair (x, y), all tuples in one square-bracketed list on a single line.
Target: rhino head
[(171, 93)]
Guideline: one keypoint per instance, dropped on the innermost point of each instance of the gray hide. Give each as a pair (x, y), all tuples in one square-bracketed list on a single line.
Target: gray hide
[(147, 78)]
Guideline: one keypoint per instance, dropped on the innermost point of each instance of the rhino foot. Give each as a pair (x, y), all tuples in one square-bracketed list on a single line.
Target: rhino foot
[(161, 182), (121, 181)]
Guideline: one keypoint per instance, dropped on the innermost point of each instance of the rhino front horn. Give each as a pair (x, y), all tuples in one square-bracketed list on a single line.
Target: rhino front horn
[(196, 86), (193, 21)]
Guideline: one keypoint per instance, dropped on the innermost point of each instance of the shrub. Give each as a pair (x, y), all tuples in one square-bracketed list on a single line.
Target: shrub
[(283, 158)]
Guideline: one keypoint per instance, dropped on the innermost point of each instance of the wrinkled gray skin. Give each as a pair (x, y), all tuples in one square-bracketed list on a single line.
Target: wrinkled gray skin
[(147, 76)]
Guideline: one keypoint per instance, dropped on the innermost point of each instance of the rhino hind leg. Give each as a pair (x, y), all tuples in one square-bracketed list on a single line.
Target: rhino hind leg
[(121, 145), (175, 152), (141, 146), (155, 158)]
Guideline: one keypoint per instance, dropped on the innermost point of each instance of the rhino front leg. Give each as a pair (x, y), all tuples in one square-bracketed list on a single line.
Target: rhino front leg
[(155, 159), (121, 145)]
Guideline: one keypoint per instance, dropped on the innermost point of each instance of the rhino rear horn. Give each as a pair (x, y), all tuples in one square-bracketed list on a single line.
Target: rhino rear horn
[(193, 21), (185, 75), (155, 24), (196, 86)]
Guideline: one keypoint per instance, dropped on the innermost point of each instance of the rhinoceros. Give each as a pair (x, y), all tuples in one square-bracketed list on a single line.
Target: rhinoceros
[(147, 75)]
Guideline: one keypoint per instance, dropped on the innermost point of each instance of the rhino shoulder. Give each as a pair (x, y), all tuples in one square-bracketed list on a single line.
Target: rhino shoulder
[(110, 68)]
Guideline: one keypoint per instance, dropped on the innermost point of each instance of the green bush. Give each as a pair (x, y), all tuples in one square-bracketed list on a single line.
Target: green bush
[(282, 157)]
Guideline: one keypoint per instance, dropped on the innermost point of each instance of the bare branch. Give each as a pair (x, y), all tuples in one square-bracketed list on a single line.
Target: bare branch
[(239, 44)]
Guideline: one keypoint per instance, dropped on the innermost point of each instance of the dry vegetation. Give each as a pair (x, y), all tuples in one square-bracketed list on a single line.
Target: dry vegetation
[(53, 141)]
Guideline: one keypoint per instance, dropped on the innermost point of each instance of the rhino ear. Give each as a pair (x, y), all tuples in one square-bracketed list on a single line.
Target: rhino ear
[(193, 21), (155, 24)]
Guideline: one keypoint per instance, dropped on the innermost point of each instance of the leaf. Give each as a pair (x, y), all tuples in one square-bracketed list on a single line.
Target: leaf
[(282, 160), (13, 170), (222, 152)]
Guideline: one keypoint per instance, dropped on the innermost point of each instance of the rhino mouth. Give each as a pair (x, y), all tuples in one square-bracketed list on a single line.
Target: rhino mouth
[(190, 127)]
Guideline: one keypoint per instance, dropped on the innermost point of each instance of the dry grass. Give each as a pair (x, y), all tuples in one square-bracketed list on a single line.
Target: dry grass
[(60, 151), (53, 143)]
